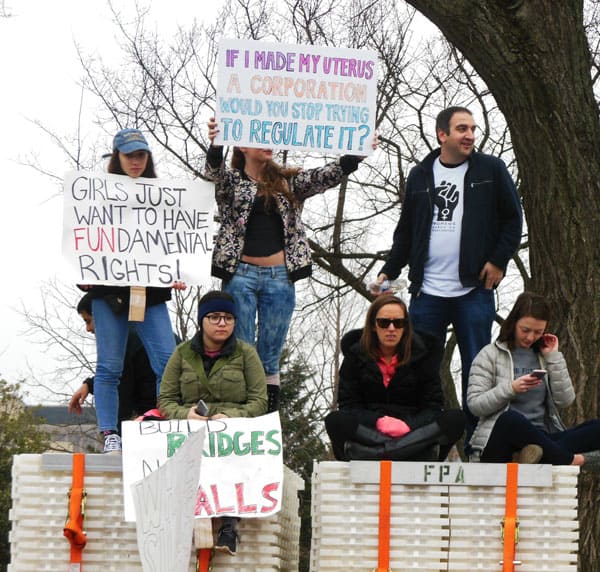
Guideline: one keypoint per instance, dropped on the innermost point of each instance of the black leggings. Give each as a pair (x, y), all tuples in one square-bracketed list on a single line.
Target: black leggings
[(341, 427), (512, 431)]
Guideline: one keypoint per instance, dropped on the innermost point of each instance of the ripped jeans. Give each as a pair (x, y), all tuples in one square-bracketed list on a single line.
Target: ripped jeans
[(265, 299)]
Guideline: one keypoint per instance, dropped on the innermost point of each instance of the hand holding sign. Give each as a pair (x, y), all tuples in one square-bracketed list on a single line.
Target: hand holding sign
[(213, 130), (295, 97)]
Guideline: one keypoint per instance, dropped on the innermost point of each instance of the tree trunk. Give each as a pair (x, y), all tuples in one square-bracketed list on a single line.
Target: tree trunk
[(534, 57)]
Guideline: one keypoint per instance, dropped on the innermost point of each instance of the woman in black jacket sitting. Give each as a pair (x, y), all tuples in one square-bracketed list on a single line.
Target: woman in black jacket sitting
[(390, 399)]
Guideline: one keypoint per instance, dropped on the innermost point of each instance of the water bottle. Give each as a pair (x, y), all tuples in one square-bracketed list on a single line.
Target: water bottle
[(386, 287)]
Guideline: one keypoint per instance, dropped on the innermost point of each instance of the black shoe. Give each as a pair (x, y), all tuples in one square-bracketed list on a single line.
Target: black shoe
[(431, 453), (354, 451), (370, 436), (273, 397), (227, 539)]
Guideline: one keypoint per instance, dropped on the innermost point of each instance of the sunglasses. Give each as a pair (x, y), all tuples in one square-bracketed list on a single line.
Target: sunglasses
[(384, 323)]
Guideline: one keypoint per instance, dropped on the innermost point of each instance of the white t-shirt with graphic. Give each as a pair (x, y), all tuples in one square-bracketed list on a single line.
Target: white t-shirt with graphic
[(441, 268)]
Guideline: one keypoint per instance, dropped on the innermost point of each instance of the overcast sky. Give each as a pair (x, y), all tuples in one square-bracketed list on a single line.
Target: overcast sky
[(39, 76)]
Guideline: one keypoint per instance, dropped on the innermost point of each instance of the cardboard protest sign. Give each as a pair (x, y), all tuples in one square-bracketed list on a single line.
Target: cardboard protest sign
[(296, 97), (242, 462), (164, 504), (135, 231)]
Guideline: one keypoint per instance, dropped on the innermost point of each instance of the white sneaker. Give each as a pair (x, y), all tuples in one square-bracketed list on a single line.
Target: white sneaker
[(112, 443)]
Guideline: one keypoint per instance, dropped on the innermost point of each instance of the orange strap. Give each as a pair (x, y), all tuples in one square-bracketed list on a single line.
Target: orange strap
[(73, 529), (385, 497), (203, 560), (511, 524)]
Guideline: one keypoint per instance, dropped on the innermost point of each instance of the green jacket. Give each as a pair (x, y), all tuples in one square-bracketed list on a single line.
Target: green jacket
[(236, 384)]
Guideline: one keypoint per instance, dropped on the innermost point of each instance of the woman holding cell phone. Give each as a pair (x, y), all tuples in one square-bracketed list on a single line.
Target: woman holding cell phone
[(516, 387)]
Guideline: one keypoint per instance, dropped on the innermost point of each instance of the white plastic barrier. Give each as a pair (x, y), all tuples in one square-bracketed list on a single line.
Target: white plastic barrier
[(39, 507), (444, 516)]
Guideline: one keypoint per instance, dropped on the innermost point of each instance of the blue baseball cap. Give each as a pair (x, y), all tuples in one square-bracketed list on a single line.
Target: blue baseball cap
[(130, 140)]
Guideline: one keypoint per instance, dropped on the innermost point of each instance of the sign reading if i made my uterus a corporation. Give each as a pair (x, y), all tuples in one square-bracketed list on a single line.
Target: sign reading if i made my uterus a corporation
[(242, 462), (305, 98)]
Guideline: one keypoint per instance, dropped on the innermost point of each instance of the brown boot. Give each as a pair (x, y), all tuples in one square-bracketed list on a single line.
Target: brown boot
[(528, 455)]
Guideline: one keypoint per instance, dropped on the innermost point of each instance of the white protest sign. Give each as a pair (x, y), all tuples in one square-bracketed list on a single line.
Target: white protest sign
[(124, 231), (242, 463), (164, 503), (296, 97)]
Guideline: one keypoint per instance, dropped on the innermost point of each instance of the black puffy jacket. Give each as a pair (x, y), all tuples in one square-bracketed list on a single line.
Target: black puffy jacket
[(414, 393)]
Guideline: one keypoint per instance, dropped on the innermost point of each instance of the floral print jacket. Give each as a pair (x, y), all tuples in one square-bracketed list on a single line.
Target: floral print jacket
[(235, 195)]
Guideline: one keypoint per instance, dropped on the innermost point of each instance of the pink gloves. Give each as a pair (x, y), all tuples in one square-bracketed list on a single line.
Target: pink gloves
[(392, 426)]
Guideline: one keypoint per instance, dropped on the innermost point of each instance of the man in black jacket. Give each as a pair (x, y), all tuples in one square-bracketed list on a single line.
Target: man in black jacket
[(460, 225)]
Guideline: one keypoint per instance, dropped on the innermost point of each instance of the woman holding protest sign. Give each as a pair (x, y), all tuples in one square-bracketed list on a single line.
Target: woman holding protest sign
[(261, 247), (215, 376), (390, 400), (131, 156)]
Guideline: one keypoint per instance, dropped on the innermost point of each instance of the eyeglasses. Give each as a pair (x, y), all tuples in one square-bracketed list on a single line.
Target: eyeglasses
[(384, 323), (215, 319)]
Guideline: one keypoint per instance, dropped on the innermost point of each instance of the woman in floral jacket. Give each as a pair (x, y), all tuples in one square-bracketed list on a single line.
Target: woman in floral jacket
[(261, 247)]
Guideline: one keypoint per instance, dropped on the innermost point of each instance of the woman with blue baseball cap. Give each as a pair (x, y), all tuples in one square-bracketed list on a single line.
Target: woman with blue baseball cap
[(131, 156)]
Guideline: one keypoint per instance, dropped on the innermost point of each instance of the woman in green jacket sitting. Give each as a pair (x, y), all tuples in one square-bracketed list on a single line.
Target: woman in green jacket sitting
[(222, 371)]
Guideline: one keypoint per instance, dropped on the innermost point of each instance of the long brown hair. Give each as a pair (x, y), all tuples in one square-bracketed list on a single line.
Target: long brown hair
[(114, 166), (369, 342), (526, 305), (275, 178)]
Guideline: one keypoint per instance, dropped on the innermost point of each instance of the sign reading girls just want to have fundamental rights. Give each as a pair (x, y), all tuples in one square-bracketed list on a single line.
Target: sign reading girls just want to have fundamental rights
[(296, 97), (136, 231)]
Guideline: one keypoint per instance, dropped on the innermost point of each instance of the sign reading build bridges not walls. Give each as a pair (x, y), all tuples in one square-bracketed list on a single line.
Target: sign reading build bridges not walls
[(296, 97), (136, 231), (242, 462)]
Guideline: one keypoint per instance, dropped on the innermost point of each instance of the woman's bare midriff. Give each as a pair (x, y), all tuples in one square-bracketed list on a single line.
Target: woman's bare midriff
[(277, 259)]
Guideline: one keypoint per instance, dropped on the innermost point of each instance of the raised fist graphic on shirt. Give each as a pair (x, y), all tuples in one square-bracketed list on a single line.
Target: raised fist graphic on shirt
[(446, 199)]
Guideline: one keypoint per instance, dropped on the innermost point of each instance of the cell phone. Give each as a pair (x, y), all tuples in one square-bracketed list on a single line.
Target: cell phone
[(202, 409), (539, 373)]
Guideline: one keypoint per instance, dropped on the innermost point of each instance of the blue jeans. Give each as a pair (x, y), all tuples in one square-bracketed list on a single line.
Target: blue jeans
[(267, 293), (512, 431), (112, 331), (471, 315)]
